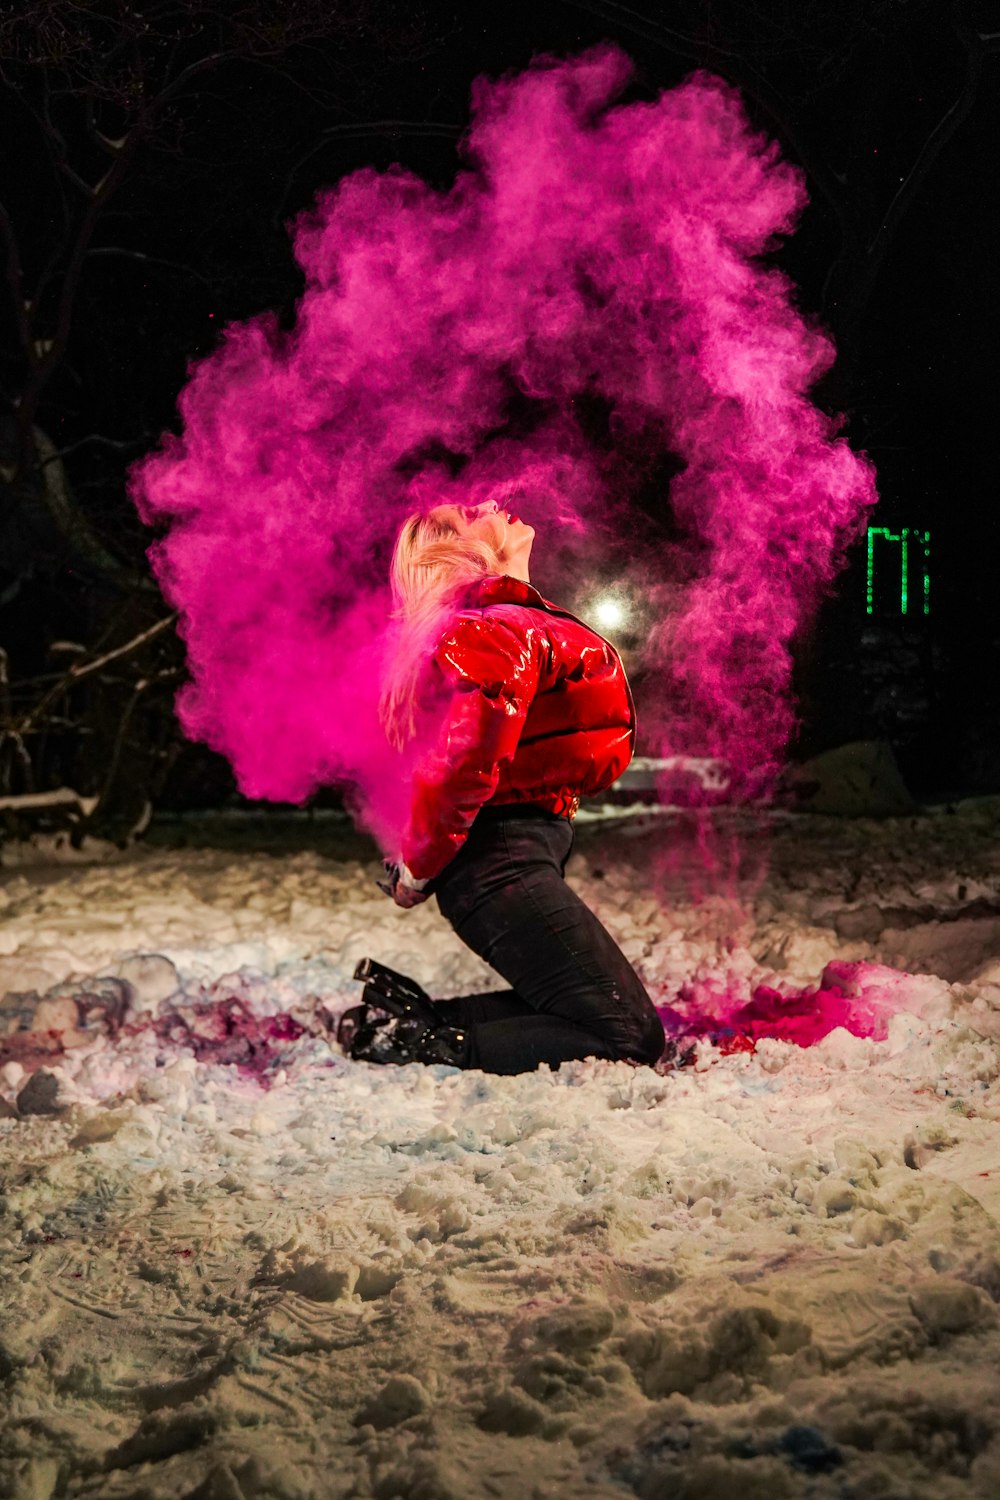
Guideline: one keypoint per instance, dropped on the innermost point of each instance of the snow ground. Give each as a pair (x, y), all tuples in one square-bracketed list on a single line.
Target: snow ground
[(765, 1275)]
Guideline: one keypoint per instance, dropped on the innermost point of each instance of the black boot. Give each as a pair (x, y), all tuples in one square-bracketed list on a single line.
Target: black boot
[(396, 1022), (370, 1034), (396, 992)]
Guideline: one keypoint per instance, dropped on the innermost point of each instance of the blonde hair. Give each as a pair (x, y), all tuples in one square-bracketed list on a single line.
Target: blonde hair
[(433, 563)]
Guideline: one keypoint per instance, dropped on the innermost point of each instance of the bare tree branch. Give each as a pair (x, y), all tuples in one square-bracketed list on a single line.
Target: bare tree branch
[(98, 86), (56, 141), (931, 149), (50, 351), (150, 260), (78, 671), (114, 759), (96, 137), (122, 445), (62, 796), (361, 130), (56, 40), (15, 282)]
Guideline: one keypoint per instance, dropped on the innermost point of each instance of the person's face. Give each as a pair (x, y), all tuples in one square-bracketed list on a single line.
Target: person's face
[(474, 520)]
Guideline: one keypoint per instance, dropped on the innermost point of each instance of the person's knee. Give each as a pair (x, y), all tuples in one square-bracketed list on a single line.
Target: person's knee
[(649, 1039), (642, 1038), (655, 1042)]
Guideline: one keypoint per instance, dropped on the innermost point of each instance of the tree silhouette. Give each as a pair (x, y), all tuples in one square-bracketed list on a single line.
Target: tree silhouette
[(126, 122)]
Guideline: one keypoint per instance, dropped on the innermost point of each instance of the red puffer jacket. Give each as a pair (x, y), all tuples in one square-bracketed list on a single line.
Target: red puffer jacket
[(534, 707)]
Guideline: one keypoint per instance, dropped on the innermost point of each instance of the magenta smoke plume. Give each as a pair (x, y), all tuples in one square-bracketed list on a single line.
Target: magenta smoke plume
[(592, 256)]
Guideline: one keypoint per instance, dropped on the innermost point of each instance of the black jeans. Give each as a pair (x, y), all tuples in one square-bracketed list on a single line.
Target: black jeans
[(574, 993)]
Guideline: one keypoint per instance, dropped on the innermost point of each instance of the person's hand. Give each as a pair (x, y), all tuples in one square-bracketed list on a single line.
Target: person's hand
[(406, 896), (404, 889)]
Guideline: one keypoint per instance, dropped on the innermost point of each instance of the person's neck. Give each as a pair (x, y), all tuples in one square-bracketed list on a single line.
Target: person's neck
[(518, 570)]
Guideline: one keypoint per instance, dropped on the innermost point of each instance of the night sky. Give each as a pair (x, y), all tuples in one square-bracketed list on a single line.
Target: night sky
[(854, 91)]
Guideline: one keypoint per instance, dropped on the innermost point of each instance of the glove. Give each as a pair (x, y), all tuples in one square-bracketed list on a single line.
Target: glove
[(403, 887)]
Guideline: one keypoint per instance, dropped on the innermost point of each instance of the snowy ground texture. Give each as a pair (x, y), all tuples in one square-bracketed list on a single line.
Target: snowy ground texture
[(765, 1274)]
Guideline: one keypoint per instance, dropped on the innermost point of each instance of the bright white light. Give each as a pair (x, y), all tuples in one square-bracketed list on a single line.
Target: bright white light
[(609, 613)]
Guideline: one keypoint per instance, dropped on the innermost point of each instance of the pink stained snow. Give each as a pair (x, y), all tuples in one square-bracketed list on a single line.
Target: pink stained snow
[(591, 255), (217, 1023), (858, 997)]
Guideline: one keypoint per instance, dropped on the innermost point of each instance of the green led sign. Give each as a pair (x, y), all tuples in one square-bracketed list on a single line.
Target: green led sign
[(910, 541)]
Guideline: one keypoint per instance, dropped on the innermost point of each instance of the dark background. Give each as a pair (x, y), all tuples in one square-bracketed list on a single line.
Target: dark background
[(218, 125)]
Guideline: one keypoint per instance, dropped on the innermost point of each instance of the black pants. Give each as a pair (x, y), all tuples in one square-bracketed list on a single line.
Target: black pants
[(574, 993)]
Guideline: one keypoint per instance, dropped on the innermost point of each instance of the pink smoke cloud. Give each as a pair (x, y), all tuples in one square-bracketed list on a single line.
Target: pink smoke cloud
[(591, 256)]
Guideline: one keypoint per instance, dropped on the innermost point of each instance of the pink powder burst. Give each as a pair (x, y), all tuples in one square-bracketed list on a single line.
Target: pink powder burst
[(858, 997), (592, 255)]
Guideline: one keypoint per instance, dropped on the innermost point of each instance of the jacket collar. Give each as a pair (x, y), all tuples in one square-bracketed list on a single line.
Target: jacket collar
[(502, 589)]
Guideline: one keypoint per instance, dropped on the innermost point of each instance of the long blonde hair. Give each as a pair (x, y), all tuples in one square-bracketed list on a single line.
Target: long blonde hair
[(433, 563)]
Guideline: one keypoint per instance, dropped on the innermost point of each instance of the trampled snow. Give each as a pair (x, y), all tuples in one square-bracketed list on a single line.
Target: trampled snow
[(237, 1264)]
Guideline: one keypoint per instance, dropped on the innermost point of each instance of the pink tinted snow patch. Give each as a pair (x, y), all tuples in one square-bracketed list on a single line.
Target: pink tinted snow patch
[(860, 997), (216, 1030), (226, 1031), (587, 306)]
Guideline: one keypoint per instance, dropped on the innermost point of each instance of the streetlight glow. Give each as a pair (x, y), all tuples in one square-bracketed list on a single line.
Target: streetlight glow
[(609, 613)]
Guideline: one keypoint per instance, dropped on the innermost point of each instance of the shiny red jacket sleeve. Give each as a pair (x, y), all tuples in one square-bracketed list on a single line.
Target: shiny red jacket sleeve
[(488, 671)]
